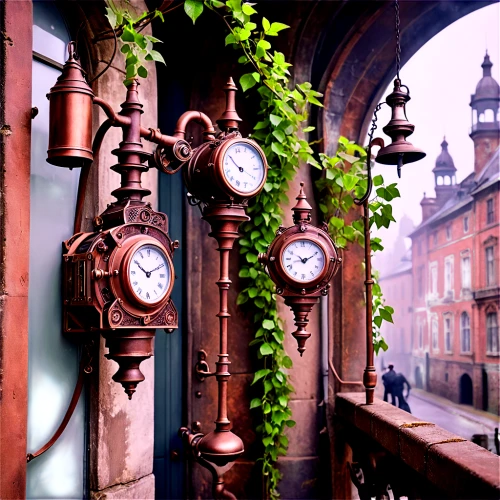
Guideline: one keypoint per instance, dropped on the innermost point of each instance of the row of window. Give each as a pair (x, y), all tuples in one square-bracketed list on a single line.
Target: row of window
[(492, 338), (490, 218), (490, 275)]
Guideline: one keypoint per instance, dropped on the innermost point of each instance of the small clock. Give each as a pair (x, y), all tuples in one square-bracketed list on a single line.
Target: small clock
[(229, 168), (243, 166), (303, 260), (149, 274)]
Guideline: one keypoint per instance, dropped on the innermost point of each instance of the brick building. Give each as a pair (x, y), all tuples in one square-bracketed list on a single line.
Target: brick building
[(455, 273)]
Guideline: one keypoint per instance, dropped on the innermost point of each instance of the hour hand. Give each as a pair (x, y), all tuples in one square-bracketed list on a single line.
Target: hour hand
[(158, 267)]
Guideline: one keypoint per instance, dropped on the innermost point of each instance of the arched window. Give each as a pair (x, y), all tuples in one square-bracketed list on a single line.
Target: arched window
[(439, 180), (492, 332), (435, 334), (481, 118), (489, 115), (465, 332)]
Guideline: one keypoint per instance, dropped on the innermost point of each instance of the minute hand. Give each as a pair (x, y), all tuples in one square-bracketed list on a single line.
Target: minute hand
[(310, 256)]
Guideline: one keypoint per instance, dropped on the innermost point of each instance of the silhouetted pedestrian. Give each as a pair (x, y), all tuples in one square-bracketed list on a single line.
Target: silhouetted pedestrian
[(398, 389), (388, 381)]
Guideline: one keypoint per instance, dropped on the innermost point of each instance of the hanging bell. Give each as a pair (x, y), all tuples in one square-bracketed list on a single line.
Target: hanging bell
[(400, 151), (70, 118)]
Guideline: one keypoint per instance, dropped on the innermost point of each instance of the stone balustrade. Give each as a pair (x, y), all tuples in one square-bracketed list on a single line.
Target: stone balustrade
[(394, 450)]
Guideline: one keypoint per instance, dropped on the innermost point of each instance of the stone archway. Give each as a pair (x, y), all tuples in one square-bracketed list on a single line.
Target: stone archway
[(353, 62), (466, 390)]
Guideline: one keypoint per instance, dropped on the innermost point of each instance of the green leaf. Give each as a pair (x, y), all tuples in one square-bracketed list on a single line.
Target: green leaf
[(248, 9), (217, 4), (275, 28), (350, 181), (336, 222), (265, 24), (193, 8), (386, 315), (308, 129), (127, 35), (279, 135), (378, 180), (230, 39), (247, 81), (278, 149), (260, 374), (275, 120), (255, 403), (283, 401), (290, 423), (110, 14), (154, 55), (252, 258), (268, 324), (287, 362), (266, 349), (142, 72), (125, 48)]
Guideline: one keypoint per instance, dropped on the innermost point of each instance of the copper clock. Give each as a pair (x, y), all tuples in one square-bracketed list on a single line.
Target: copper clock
[(301, 261)]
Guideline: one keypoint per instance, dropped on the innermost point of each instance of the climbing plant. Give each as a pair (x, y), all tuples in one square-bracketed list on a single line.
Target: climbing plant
[(281, 131)]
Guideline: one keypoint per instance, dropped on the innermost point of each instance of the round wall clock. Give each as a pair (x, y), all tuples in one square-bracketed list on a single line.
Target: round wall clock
[(229, 168)]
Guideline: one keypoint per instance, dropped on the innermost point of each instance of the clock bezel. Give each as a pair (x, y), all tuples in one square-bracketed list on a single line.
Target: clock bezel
[(122, 287), (220, 176), (275, 260)]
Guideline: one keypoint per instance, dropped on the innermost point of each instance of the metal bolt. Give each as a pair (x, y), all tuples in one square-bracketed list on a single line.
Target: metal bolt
[(119, 235), (198, 394), (196, 426)]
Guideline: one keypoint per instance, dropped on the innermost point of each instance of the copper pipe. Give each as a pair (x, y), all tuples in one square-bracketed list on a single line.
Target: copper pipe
[(222, 373), (117, 119), (369, 375), (85, 369), (84, 174), (198, 117), (342, 382)]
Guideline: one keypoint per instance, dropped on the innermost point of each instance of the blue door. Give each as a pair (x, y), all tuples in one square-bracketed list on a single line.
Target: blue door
[(169, 351)]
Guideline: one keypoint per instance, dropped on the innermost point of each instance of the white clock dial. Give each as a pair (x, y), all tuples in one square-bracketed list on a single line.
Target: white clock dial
[(243, 167), (303, 260), (149, 274)]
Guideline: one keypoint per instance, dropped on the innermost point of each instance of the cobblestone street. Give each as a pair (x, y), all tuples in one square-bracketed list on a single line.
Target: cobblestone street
[(462, 420)]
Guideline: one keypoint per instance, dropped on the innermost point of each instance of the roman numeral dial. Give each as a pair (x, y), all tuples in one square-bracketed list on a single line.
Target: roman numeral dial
[(149, 274), (243, 167), (303, 260)]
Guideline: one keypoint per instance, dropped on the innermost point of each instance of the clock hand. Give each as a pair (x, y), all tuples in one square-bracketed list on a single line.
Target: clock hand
[(309, 257), (239, 168), (156, 268), (140, 267)]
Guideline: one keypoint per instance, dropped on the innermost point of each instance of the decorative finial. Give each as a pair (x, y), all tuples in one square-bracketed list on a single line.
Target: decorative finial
[(302, 210), (229, 119)]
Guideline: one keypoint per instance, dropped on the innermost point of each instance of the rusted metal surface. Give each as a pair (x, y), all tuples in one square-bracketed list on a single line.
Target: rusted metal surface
[(15, 117), (302, 293)]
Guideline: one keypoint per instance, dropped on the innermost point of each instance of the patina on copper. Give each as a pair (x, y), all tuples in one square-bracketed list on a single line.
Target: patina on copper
[(224, 209), (301, 296)]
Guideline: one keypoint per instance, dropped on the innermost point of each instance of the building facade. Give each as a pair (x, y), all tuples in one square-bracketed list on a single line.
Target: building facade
[(455, 261)]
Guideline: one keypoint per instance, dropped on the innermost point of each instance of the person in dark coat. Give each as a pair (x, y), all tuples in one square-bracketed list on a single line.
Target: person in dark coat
[(388, 380), (398, 389)]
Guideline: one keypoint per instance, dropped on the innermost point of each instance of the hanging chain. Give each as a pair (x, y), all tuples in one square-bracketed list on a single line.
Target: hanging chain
[(398, 43)]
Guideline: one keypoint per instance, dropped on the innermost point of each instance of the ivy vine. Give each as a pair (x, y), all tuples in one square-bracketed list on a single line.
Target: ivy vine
[(280, 132)]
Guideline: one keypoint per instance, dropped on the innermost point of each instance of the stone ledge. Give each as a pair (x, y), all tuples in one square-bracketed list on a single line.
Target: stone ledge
[(456, 466), (143, 488)]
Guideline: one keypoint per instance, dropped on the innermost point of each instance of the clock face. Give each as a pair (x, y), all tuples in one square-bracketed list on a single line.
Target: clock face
[(149, 274), (243, 167), (303, 260)]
